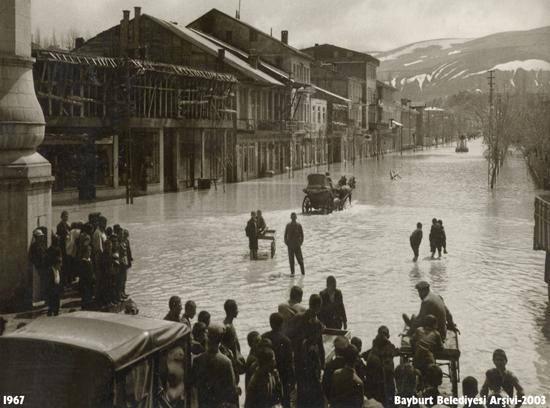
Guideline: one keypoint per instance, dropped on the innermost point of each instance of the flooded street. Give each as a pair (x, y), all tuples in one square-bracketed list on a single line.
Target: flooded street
[(193, 244)]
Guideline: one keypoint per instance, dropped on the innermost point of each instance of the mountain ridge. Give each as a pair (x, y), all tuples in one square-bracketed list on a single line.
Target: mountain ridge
[(441, 67)]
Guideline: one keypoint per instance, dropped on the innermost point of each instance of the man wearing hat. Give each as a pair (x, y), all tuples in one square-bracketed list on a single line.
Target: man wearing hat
[(432, 304), (294, 238)]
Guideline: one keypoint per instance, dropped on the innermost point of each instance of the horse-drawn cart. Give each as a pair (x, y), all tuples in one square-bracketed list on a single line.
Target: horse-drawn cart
[(321, 195)]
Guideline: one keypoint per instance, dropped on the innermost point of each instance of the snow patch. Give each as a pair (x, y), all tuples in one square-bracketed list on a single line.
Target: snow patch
[(443, 43), (454, 52), (527, 65), (459, 74), (412, 63), (393, 81), (536, 83), (420, 78), (512, 82), (448, 73), (478, 90), (476, 73), (439, 70)]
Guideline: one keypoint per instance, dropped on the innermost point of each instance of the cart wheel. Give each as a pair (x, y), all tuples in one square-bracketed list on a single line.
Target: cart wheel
[(306, 205), (272, 248), (330, 205)]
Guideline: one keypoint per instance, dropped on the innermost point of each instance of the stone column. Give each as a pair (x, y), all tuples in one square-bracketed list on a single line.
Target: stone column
[(25, 176)]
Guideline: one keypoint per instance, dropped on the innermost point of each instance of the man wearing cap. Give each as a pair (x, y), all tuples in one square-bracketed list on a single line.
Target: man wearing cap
[(432, 304), (294, 238), (509, 381)]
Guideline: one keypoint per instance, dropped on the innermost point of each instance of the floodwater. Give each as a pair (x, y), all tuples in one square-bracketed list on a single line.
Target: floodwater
[(193, 244)]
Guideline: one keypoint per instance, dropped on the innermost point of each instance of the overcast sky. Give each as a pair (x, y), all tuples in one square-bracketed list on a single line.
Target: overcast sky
[(365, 25)]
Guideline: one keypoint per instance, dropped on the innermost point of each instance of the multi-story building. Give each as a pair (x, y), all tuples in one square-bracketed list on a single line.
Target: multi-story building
[(166, 107), (355, 141), (277, 58), (354, 64)]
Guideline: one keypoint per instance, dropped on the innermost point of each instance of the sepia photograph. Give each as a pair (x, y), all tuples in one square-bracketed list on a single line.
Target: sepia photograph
[(274, 203)]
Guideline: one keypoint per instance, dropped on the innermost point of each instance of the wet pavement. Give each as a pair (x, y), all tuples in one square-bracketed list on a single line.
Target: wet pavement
[(193, 244)]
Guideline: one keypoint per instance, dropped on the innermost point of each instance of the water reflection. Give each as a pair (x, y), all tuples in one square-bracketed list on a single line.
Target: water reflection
[(193, 244)]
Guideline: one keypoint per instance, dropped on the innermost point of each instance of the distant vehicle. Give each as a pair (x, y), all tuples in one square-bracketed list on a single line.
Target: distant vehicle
[(93, 359), (322, 195), (462, 145)]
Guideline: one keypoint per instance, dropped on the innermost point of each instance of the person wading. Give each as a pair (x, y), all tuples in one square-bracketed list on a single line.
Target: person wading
[(416, 239), (252, 234), (294, 238)]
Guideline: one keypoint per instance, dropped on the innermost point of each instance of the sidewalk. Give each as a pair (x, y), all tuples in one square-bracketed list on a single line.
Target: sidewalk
[(70, 302)]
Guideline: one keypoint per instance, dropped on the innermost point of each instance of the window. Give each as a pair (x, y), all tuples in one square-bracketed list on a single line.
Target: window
[(253, 35), (324, 115), (228, 35), (335, 54)]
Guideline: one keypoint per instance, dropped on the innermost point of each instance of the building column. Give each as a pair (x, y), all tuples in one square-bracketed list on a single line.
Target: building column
[(115, 161), (161, 159), (25, 176)]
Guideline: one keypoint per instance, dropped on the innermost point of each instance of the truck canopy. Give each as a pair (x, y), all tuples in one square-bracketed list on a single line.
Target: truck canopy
[(72, 359)]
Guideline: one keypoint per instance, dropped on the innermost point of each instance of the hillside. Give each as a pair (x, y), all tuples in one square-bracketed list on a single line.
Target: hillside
[(436, 68)]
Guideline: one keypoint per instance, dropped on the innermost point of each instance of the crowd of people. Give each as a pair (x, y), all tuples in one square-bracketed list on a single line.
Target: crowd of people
[(90, 255), (437, 237), (287, 365)]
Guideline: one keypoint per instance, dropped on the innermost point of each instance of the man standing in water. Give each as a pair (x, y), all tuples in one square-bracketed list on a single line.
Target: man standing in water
[(435, 238), (252, 234), (416, 239), (294, 238)]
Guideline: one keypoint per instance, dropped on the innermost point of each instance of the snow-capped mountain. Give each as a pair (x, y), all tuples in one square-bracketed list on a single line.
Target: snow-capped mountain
[(430, 69)]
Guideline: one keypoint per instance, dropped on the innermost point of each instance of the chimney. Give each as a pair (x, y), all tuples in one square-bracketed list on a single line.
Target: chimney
[(137, 19), (253, 58), (284, 37), (78, 42), (124, 26)]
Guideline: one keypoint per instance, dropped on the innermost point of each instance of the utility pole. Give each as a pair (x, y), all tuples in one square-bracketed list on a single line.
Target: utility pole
[(491, 79)]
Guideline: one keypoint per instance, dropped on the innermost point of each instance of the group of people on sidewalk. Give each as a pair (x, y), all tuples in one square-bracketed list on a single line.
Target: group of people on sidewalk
[(287, 365), (438, 239), (92, 254)]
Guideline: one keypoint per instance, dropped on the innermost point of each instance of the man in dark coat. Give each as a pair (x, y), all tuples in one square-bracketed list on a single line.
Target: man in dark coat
[(54, 287), (333, 312), (282, 348), (346, 389), (62, 231), (294, 238), (435, 238), (307, 343), (264, 389), (252, 234), (416, 239)]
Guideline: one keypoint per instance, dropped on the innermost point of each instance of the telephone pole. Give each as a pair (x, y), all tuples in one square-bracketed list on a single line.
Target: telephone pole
[(490, 164)]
